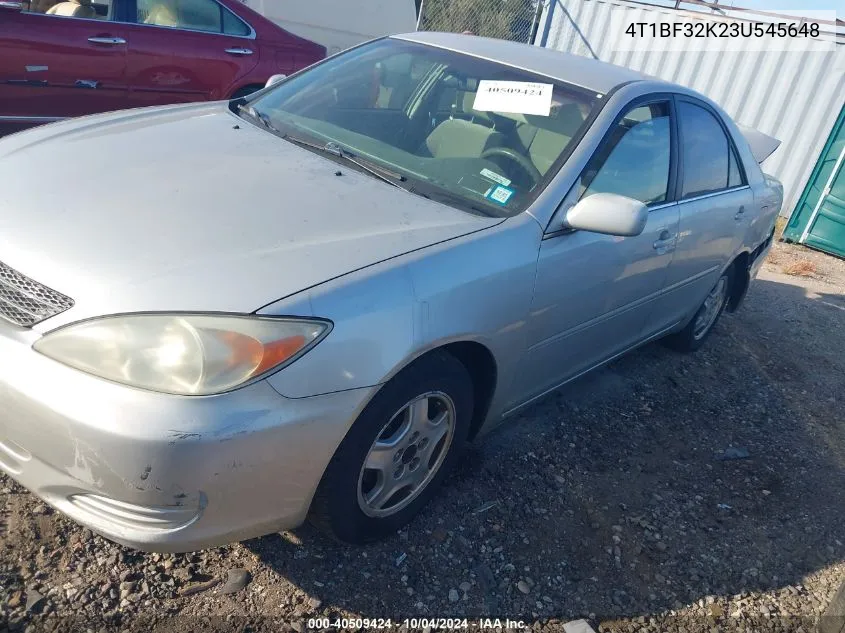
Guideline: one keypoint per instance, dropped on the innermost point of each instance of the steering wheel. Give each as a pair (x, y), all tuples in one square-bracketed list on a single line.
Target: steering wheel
[(519, 159)]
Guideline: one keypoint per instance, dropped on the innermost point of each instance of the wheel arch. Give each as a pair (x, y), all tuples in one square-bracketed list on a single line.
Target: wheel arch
[(740, 280), (481, 364)]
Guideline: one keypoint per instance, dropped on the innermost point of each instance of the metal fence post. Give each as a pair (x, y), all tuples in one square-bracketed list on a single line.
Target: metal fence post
[(535, 23), (420, 14)]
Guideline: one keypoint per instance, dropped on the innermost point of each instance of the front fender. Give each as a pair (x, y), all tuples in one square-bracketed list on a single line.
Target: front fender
[(475, 288)]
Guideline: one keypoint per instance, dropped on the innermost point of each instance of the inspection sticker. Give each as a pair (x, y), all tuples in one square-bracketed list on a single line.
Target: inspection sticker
[(518, 97), (492, 175), (500, 194)]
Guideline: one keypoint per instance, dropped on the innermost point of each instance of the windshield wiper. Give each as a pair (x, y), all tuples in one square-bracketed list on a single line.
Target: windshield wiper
[(261, 117), (382, 173)]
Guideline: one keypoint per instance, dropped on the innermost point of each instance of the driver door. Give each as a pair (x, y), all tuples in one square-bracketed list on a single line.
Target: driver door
[(594, 292)]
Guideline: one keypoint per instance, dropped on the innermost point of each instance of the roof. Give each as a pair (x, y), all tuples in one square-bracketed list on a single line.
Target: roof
[(565, 67)]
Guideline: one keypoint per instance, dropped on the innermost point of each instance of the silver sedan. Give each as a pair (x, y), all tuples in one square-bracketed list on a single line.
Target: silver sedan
[(219, 320)]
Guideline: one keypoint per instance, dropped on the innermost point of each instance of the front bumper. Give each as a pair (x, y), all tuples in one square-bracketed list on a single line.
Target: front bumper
[(158, 472)]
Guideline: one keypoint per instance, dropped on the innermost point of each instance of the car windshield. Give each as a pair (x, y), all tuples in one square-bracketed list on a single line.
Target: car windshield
[(476, 134)]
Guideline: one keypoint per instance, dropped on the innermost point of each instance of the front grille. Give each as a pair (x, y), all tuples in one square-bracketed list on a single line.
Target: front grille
[(25, 302)]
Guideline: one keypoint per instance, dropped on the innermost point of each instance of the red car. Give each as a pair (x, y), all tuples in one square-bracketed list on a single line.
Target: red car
[(65, 58)]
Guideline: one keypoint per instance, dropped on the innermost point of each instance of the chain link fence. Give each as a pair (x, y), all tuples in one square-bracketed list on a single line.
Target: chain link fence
[(515, 20)]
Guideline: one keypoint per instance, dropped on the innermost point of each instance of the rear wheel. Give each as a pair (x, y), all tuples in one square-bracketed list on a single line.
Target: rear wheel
[(397, 452), (696, 332)]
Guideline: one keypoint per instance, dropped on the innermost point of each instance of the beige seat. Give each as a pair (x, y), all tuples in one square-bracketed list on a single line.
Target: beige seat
[(73, 9), (476, 116), (456, 138), (41, 6), (162, 14), (546, 137)]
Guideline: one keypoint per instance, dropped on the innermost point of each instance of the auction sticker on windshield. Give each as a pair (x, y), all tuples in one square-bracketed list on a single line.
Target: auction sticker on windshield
[(500, 194), (517, 97)]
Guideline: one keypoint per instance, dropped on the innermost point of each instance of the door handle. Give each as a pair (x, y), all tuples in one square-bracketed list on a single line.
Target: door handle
[(739, 213), (665, 241), (239, 51), (108, 41)]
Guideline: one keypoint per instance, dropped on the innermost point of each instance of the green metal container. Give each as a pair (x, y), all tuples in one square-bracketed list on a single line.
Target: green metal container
[(819, 219)]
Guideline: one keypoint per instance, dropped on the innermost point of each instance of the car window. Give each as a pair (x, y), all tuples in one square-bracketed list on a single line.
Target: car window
[(634, 159), (195, 15), (735, 175), (481, 134), (89, 9), (709, 163)]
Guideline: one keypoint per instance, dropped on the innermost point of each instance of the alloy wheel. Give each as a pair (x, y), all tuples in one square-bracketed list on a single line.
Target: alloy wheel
[(407, 454), (711, 309)]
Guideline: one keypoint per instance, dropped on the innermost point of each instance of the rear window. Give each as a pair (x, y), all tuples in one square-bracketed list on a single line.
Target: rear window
[(193, 15), (710, 164)]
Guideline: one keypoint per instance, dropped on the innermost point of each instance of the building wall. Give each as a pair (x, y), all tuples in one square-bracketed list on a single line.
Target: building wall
[(795, 96)]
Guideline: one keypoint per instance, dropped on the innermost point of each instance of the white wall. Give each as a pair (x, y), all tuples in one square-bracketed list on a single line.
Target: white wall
[(793, 96)]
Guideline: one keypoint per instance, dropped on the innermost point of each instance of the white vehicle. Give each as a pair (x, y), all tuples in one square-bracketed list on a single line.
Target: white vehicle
[(339, 25)]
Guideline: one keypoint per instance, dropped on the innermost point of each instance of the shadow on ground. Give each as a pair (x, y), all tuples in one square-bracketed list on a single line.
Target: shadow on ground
[(610, 495)]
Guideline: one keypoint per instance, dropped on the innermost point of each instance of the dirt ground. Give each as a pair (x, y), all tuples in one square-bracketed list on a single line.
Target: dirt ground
[(665, 492)]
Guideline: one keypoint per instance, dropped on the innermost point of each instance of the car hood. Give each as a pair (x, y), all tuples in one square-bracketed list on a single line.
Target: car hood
[(192, 208)]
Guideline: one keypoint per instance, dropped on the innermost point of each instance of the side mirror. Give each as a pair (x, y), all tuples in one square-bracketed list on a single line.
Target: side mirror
[(11, 5), (608, 213), (270, 82)]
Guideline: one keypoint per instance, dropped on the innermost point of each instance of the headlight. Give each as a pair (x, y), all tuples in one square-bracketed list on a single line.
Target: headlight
[(185, 354)]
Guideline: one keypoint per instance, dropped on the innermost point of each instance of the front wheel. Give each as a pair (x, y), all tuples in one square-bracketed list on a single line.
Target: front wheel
[(696, 332), (397, 452)]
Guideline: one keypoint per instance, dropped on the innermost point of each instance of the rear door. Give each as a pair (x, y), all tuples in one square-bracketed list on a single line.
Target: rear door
[(61, 59), (186, 50), (716, 206)]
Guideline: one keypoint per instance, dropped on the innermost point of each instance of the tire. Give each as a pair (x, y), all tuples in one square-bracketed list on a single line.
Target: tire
[(352, 503), (245, 91), (701, 325)]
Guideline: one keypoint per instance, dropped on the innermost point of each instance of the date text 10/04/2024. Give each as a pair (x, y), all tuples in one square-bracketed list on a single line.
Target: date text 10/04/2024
[(413, 624)]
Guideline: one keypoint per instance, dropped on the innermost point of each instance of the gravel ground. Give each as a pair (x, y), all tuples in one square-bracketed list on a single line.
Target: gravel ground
[(664, 492)]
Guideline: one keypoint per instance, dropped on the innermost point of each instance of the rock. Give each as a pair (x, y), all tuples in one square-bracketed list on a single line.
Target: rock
[(297, 626), (716, 611), (237, 580), (523, 587), (33, 600), (453, 595), (439, 535), (314, 603), (15, 600), (577, 626), (733, 453), (198, 587), (465, 586)]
